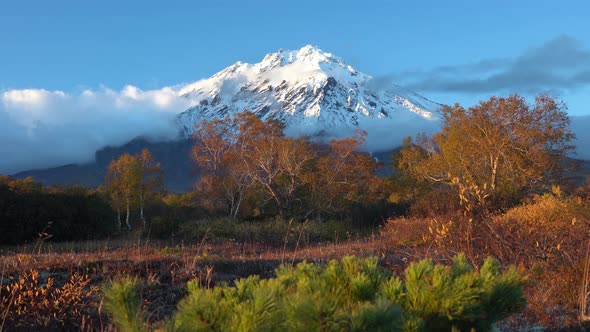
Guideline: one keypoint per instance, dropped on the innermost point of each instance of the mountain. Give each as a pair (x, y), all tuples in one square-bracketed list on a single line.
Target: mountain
[(179, 170), (311, 91)]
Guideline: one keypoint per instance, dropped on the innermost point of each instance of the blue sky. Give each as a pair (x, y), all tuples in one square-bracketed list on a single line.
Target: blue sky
[(449, 51), (73, 45)]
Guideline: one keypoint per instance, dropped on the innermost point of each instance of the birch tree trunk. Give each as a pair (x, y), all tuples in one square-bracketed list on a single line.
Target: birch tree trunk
[(141, 200), (119, 218), (127, 218)]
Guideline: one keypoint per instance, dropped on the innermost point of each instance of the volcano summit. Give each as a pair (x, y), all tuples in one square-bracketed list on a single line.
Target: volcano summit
[(311, 91)]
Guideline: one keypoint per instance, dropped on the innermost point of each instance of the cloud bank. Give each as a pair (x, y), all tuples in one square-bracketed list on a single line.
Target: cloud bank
[(560, 64), (41, 128)]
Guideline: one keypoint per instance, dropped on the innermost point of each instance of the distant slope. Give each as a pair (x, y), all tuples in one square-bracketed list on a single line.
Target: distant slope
[(179, 170), (580, 174)]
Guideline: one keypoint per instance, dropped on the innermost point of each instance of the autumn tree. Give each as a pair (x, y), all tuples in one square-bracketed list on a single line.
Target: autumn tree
[(245, 155), (498, 148), (122, 183), (295, 159), (117, 198), (342, 175), (272, 161), (130, 181), (217, 153), (244, 152), (151, 179), (28, 184)]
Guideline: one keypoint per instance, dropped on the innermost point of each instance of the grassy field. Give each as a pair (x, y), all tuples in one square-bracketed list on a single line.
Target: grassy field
[(164, 269), (57, 286)]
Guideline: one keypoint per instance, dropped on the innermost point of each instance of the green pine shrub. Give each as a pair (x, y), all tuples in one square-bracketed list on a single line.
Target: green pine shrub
[(456, 297), (351, 294), (123, 304)]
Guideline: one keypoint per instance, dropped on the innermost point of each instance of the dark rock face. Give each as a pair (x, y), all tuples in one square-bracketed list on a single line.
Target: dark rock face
[(330, 83), (216, 100)]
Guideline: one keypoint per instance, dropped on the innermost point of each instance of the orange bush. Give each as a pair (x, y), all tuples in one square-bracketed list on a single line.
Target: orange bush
[(28, 302)]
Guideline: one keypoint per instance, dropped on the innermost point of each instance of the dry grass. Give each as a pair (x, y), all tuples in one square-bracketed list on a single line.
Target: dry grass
[(35, 302), (546, 236), (164, 271)]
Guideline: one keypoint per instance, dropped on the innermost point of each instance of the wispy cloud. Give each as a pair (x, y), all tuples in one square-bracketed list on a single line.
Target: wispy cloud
[(41, 128), (560, 64)]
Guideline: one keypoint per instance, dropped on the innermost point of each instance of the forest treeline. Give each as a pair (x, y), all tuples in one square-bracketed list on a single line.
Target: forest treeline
[(29, 211), (486, 158)]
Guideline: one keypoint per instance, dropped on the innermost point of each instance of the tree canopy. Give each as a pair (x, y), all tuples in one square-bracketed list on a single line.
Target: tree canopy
[(497, 148), (245, 156), (131, 180)]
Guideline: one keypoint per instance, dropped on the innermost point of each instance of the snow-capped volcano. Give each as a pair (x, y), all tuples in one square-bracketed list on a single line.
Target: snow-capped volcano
[(312, 91)]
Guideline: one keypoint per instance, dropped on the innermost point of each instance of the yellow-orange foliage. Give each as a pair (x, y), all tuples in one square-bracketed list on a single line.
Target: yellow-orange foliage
[(28, 302), (245, 154), (501, 146)]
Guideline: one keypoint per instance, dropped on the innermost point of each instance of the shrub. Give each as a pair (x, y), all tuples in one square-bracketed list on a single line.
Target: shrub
[(550, 228), (435, 203), (162, 228), (549, 234), (442, 235), (29, 303), (123, 303), (457, 298), (352, 294), (74, 213), (405, 231)]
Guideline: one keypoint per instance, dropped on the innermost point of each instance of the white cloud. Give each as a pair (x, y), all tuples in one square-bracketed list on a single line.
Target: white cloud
[(41, 128), (383, 134)]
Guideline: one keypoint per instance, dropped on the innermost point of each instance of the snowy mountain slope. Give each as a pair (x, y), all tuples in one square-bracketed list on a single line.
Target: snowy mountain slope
[(312, 91)]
